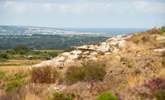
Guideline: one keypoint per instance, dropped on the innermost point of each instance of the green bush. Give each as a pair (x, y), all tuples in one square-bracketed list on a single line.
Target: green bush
[(62, 96), (14, 82), (3, 56), (88, 72), (2, 74), (45, 74), (94, 71), (160, 95), (106, 96), (21, 49), (74, 74)]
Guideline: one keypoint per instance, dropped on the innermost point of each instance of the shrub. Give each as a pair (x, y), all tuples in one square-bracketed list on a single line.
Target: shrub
[(160, 95), (94, 71), (157, 87), (88, 72), (14, 82), (2, 74), (46, 74), (156, 84), (106, 96), (3, 56), (74, 74), (62, 96), (21, 49)]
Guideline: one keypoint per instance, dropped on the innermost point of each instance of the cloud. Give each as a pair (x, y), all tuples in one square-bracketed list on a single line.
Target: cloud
[(86, 7), (78, 7), (16, 7), (149, 7), (83, 13)]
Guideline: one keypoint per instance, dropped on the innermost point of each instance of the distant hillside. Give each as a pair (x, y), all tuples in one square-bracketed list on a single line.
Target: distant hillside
[(30, 30), (27, 30), (37, 41)]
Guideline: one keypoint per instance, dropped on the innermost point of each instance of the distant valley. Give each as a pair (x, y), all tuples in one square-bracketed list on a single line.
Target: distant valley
[(54, 38)]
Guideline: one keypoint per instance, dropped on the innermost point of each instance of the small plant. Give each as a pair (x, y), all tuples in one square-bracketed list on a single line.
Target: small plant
[(106, 96), (14, 82), (21, 49), (62, 96), (94, 71), (3, 56), (156, 84), (88, 72), (46, 74), (160, 94), (2, 74), (157, 87), (74, 74)]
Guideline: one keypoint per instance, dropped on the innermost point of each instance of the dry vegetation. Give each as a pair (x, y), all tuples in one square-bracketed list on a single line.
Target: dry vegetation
[(136, 72)]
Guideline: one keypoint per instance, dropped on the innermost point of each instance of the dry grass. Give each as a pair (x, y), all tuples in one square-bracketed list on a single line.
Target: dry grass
[(45, 74), (20, 62)]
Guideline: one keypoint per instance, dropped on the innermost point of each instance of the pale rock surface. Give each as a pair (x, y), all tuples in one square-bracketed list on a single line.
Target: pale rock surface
[(86, 52)]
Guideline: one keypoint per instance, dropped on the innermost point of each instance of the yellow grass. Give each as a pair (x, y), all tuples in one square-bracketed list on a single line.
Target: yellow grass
[(14, 66), (22, 62)]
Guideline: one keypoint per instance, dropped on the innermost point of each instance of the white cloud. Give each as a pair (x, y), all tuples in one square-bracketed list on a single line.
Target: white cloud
[(23, 7), (16, 7), (149, 7), (78, 7)]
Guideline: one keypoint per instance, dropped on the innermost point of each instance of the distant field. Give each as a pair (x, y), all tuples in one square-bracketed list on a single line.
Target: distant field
[(20, 59), (21, 62), (49, 50), (19, 65)]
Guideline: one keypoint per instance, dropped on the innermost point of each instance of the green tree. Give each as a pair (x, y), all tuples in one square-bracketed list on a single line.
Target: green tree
[(21, 49)]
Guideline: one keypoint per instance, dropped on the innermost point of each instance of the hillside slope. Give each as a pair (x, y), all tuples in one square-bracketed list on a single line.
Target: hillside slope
[(128, 67), (134, 65)]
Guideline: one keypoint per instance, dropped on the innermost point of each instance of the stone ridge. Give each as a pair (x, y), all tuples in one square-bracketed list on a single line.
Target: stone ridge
[(87, 52)]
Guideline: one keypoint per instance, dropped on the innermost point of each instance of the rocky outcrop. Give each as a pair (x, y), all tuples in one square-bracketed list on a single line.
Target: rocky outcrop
[(89, 52)]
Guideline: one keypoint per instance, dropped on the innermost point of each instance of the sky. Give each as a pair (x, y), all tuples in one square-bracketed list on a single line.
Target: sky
[(83, 13)]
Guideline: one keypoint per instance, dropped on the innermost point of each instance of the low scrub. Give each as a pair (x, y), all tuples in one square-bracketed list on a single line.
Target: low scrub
[(74, 74), (94, 71), (106, 96), (2, 74), (157, 87), (14, 82), (160, 95), (46, 74), (3, 56), (62, 96), (156, 84), (88, 72)]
